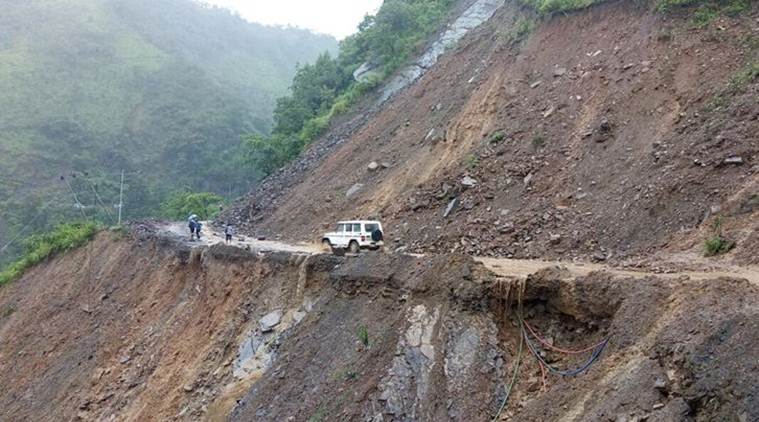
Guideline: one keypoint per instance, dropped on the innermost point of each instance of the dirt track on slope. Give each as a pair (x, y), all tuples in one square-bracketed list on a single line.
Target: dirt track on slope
[(501, 266)]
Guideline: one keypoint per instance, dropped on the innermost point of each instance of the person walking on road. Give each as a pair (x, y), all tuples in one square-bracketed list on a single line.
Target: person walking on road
[(192, 223), (229, 231), (198, 226)]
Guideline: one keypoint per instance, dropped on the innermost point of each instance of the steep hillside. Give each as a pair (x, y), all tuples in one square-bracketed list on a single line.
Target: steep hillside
[(162, 89), (609, 132), (148, 328)]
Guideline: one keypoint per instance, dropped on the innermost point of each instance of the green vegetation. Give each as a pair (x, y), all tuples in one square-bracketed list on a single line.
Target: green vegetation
[(180, 205), (547, 7), (363, 335), (707, 8), (326, 88), (717, 244), (42, 246), (496, 137), (550, 7), (160, 88), (472, 162), (704, 16), (738, 83)]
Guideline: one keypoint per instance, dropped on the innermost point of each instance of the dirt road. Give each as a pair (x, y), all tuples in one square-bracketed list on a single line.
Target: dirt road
[(502, 266)]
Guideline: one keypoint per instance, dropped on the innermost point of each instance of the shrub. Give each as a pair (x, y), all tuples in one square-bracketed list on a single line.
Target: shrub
[(547, 7), (717, 245), (42, 246), (181, 204)]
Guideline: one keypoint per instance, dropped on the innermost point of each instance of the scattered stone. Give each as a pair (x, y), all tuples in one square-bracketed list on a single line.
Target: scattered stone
[(468, 182), (734, 160), (660, 384), (599, 256), (354, 190), (628, 66), (549, 112), (385, 165), (298, 316), (527, 179), (535, 84), (373, 166), (658, 406), (555, 239), (270, 320), (451, 207), (86, 309), (124, 359), (435, 135), (188, 388), (559, 72)]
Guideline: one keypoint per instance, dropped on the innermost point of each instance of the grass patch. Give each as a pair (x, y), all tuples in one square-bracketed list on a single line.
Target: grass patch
[(704, 16), (728, 7), (717, 244), (738, 83), (549, 7), (363, 335), (496, 137), (42, 246), (472, 162), (518, 32)]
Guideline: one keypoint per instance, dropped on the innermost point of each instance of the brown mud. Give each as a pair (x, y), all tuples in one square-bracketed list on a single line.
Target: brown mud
[(147, 328)]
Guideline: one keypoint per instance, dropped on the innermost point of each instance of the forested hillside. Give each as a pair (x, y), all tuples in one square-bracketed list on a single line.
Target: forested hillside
[(160, 88)]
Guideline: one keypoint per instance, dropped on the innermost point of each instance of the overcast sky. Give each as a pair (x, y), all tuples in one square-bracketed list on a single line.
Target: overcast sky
[(336, 17)]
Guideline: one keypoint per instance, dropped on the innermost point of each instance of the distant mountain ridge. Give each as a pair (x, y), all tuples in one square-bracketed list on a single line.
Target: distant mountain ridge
[(160, 88)]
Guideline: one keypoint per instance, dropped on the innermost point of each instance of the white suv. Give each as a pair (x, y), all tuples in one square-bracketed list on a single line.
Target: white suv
[(354, 236)]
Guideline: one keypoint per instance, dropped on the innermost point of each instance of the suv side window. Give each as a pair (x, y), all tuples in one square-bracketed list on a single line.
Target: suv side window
[(357, 228), (348, 228), (370, 228), (340, 228)]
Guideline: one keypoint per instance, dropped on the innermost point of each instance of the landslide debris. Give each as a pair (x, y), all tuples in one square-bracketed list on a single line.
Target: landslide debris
[(580, 138), (147, 328)]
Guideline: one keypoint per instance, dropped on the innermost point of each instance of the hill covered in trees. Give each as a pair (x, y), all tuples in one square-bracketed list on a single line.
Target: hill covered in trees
[(162, 89)]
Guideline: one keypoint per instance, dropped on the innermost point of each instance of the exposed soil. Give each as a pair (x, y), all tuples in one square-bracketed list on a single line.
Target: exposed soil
[(147, 328), (611, 134)]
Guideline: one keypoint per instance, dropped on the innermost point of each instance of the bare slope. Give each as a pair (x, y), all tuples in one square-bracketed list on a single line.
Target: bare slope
[(147, 329), (610, 132)]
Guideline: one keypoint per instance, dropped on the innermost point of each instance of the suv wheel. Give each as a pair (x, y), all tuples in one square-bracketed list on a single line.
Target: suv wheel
[(353, 247)]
